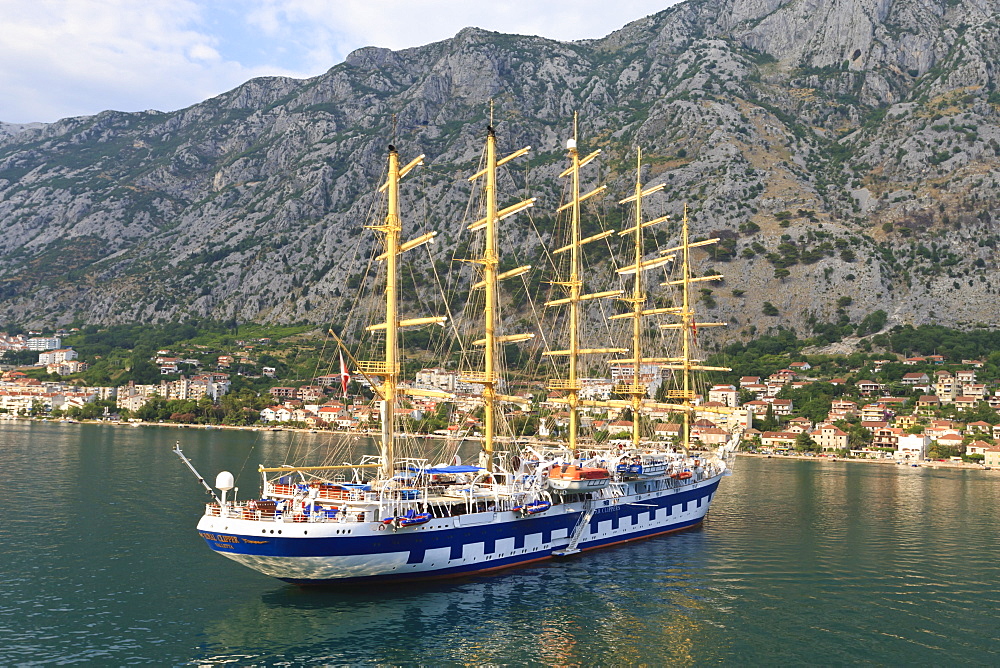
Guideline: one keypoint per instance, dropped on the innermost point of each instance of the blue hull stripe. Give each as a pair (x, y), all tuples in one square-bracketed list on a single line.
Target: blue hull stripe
[(494, 564), (417, 542)]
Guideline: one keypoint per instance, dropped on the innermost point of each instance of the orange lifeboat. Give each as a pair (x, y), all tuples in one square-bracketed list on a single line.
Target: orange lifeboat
[(575, 479)]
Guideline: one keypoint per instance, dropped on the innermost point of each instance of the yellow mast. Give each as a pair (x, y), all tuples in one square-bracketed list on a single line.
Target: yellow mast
[(687, 327), (573, 387), (637, 391), (687, 318), (638, 298), (572, 383), (491, 280), (490, 263), (388, 368), (391, 229)]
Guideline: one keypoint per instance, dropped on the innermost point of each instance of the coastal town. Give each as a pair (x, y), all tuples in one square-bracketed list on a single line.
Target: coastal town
[(891, 407)]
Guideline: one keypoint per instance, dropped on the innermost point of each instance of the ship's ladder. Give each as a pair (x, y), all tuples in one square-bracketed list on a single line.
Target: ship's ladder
[(589, 507)]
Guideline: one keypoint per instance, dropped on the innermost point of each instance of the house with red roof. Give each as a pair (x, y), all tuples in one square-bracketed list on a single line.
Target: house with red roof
[(992, 457), (963, 404), (977, 448), (779, 440), (979, 427), (829, 437), (927, 404)]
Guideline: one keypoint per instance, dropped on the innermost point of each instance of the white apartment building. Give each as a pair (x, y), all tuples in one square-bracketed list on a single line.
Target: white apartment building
[(43, 343), (436, 378), (57, 356), (727, 395), (912, 447)]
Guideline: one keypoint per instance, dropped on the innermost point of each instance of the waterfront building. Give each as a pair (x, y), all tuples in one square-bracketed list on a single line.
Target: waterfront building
[(977, 448), (829, 437), (779, 440), (912, 447), (992, 457), (886, 437)]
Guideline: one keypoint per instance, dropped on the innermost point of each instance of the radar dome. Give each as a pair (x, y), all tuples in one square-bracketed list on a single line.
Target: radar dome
[(225, 481)]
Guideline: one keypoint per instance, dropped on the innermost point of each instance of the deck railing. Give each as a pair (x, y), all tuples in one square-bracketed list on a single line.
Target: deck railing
[(246, 511)]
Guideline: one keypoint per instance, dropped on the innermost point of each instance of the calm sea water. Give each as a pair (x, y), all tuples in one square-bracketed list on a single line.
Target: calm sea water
[(798, 563)]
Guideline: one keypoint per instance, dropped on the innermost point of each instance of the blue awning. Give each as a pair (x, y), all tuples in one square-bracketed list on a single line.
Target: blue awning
[(455, 469)]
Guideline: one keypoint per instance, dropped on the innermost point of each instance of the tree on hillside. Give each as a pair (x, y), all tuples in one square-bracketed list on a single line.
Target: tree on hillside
[(805, 443), (144, 372), (769, 423), (858, 437), (20, 357)]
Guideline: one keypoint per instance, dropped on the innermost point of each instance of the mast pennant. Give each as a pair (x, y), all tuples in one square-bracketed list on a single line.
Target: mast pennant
[(345, 377)]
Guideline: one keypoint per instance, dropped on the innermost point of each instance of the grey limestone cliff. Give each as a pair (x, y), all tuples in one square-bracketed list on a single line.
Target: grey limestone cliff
[(839, 148)]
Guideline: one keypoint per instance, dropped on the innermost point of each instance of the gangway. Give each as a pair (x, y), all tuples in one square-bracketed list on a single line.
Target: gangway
[(574, 540)]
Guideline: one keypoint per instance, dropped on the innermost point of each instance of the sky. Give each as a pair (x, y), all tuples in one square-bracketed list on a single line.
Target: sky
[(62, 58)]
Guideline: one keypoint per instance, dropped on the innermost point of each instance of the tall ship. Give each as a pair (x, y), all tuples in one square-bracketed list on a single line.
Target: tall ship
[(397, 515)]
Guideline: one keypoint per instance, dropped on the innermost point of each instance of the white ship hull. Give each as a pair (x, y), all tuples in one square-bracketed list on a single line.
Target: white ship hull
[(355, 552)]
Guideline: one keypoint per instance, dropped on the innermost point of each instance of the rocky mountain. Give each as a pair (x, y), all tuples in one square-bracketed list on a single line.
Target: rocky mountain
[(847, 152)]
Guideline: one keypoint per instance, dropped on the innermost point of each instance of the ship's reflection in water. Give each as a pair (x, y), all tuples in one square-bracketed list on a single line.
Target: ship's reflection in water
[(614, 606)]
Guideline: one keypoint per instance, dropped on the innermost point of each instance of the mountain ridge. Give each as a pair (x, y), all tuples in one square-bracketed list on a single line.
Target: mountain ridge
[(844, 149)]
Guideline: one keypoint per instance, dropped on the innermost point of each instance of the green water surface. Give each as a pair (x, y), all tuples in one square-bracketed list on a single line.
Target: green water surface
[(798, 563)]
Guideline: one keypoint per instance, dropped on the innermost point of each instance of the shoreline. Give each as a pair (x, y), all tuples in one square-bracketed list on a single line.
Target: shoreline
[(885, 462), (179, 425), (230, 427)]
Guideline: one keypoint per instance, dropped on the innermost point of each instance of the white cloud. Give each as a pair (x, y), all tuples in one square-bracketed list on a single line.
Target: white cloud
[(203, 52), (63, 58)]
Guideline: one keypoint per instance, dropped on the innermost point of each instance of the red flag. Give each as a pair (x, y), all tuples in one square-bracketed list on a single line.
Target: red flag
[(694, 329), (344, 376)]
